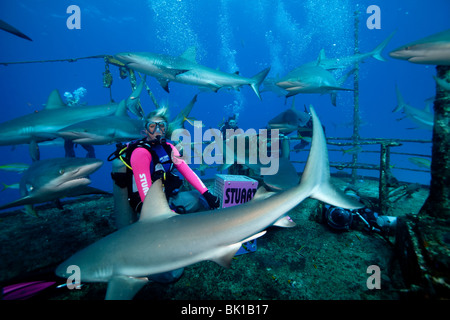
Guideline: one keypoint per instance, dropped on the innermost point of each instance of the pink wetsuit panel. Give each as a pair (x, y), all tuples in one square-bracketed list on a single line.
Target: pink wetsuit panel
[(141, 160)]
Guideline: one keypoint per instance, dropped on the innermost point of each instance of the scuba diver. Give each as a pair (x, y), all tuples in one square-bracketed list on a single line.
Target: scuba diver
[(231, 123), (148, 160), (342, 219)]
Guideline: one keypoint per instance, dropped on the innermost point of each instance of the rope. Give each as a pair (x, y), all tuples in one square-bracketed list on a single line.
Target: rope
[(101, 56)]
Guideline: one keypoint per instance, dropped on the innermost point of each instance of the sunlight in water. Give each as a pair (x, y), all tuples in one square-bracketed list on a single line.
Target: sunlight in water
[(229, 55), (174, 25)]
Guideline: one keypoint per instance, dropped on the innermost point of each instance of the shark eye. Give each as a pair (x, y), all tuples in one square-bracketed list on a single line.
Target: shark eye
[(61, 171), (29, 188)]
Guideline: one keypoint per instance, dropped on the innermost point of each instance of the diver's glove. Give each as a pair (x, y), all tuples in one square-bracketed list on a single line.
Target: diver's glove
[(212, 200)]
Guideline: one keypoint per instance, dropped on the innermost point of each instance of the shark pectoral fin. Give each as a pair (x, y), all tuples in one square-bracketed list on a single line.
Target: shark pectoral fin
[(226, 254), (214, 86), (34, 150), (164, 84), (285, 222), (19, 202), (333, 97), (262, 194), (124, 288)]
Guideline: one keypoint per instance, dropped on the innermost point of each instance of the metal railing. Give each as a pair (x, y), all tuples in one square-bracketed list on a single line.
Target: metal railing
[(383, 164)]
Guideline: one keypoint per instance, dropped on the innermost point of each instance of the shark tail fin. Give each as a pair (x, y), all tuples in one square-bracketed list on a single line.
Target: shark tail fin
[(258, 80), (316, 176), (400, 101), (376, 53)]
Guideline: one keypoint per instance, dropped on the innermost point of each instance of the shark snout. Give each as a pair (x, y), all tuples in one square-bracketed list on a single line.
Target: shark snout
[(79, 176), (124, 57)]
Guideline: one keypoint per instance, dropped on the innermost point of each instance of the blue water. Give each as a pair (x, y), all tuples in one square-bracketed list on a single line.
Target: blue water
[(232, 35)]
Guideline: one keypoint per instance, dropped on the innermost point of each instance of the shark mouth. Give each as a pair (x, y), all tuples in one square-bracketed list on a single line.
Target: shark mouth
[(80, 176)]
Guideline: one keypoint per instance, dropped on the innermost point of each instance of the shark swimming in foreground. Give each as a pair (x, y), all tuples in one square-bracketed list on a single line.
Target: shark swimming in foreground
[(185, 69), (163, 241), (434, 49), (423, 118), (52, 179)]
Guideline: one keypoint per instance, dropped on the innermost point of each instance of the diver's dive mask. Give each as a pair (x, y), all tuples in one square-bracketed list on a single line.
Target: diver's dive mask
[(156, 126)]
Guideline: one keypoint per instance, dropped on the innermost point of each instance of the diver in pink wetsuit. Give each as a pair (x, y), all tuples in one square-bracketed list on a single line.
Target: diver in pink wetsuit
[(157, 159)]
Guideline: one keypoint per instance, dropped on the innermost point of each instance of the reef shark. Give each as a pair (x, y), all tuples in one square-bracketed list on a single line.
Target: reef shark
[(185, 69), (105, 130), (434, 49), (423, 118), (42, 125), (119, 127), (53, 179), (162, 241), (349, 61), (289, 120), (312, 79)]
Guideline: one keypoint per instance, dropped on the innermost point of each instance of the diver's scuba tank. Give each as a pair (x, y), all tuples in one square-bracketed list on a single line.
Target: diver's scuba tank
[(123, 213)]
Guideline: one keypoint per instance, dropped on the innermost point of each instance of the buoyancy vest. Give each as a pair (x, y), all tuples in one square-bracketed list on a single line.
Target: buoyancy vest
[(161, 154)]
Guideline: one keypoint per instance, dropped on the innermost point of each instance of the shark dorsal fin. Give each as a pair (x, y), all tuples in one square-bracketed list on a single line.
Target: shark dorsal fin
[(190, 54), (321, 57), (155, 204), (54, 101)]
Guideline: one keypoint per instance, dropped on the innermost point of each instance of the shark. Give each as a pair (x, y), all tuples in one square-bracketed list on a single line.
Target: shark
[(119, 127), (434, 50), (423, 118), (312, 79), (185, 69), (350, 61), (9, 28), (162, 241), (55, 178), (42, 125), (289, 120)]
